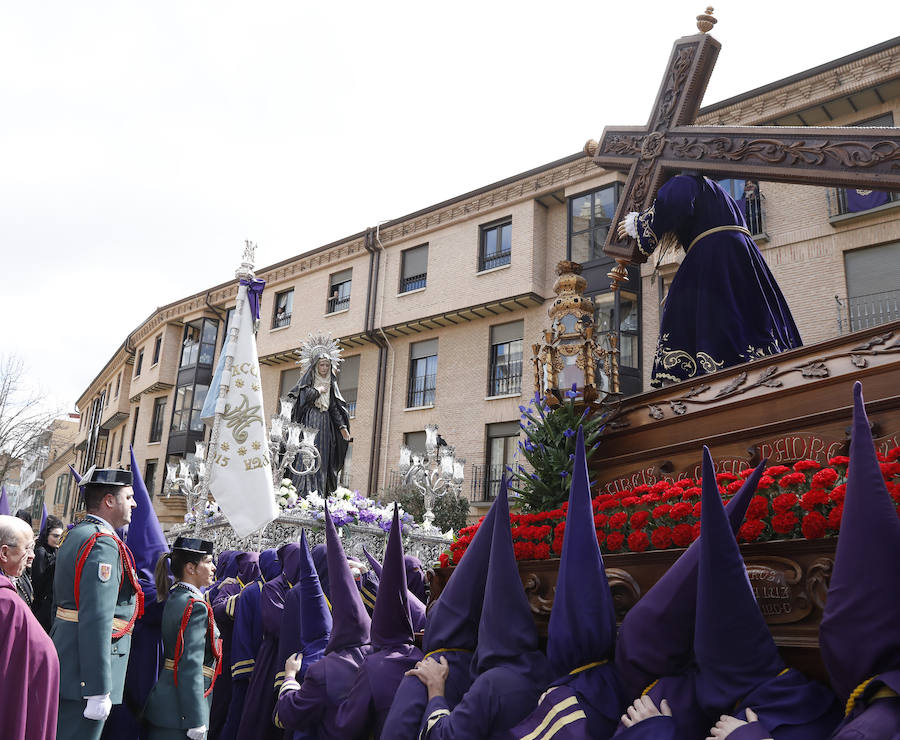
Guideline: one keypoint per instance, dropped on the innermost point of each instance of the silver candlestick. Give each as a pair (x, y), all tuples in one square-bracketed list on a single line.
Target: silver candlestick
[(437, 473)]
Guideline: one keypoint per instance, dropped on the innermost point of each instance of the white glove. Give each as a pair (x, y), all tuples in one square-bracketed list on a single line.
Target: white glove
[(197, 733), (98, 707)]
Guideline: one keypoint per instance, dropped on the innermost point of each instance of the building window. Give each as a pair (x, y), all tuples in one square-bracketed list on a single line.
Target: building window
[(495, 245), (873, 277), (159, 415), (62, 490), (137, 413), (112, 447), (157, 346), (348, 382), (749, 201), (140, 363), (118, 384), (187, 406), (502, 448), (199, 344), (422, 373), (618, 312), (284, 307), (339, 290), (590, 216), (855, 201), (414, 270), (150, 476), (505, 374)]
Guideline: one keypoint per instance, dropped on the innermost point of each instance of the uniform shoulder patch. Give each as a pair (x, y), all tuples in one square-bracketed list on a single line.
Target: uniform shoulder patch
[(105, 571)]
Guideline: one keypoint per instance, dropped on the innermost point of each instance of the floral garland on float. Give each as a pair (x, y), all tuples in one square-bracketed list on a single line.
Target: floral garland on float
[(804, 501)]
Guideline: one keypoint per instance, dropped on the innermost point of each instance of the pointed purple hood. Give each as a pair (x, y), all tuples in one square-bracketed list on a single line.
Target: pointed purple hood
[(269, 565), (858, 635), (506, 633), (415, 577), (582, 626), (315, 616), (391, 621), (644, 650), (289, 557), (145, 536), (247, 565), (417, 608), (453, 619), (733, 647), (350, 622), (320, 560)]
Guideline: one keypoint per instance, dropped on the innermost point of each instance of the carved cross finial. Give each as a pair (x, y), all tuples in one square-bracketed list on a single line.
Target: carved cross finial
[(705, 21)]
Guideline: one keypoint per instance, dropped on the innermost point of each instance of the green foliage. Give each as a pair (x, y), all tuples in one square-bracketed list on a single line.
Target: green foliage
[(549, 448), (449, 511)]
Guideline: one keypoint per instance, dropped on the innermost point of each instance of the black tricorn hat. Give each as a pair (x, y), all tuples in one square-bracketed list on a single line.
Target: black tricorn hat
[(107, 477), (193, 545)]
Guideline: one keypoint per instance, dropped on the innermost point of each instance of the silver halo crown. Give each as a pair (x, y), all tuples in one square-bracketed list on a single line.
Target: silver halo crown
[(317, 345)]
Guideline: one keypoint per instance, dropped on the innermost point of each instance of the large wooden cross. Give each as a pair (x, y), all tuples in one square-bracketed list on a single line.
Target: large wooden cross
[(827, 156)]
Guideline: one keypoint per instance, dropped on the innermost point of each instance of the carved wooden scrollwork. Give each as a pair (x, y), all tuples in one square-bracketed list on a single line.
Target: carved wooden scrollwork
[(625, 590), (536, 591), (818, 578)]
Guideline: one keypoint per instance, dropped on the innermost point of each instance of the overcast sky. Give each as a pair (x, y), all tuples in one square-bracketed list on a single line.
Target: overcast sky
[(142, 142)]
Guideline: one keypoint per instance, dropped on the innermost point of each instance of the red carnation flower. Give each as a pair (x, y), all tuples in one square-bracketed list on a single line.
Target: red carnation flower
[(614, 541), (765, 481), (650, 498), (758, 508), (824, 478), (661, 511), (725, 477), (607, 505), (811, 499), (638, 541), (542, 551), (837, 495), (784, 523), (685, 483), (682, 535), (834, 517), (680, 510), (776, 470), (444, 560), (893, 454), (617, 520), (801, 465), (670, 493), (692, 493), (695, 528), (792, 479), (662, 537), (601, 538), (558, 545), (784, 502), (698, 507), (659, 487), (813, 525), (842, 460), (639, 519), (600, 520), (751, 530), (746, 472), (629, 501)]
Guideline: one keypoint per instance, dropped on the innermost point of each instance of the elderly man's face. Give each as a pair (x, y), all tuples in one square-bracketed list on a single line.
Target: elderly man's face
[(15, 558)]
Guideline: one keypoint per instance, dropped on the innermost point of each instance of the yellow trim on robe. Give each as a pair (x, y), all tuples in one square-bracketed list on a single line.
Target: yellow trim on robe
[(647, 690), (587, 667), (550, 716), (446, 650), (562, 722), (433, 719), (716, 230)]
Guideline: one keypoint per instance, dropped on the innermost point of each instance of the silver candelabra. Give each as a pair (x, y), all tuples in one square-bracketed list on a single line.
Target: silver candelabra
[(190, 477), (435, 474), (287, 439)]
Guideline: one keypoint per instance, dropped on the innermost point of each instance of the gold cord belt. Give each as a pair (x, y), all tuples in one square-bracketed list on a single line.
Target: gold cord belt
[(715, 230), (71, 615), (169, 665)]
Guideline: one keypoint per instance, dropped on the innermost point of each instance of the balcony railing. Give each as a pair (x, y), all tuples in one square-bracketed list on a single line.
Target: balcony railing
[(498, 259), (506, 378), (337, 303), (854, 201), (754, 210), (413, 282), (421, 391), (280, 320), (485, 483), (873, 309)]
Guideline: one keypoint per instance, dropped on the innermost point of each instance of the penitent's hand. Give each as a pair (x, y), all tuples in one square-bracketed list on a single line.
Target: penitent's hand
[(433, 674), (728, 724), (292, 665), (644, 708)]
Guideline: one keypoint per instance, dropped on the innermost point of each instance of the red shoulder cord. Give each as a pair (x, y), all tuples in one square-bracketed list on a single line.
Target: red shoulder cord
[(127, 566), (215, 644)]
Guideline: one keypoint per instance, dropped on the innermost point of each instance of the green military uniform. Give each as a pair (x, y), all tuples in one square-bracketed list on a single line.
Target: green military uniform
[(97, 599), (181, 698)]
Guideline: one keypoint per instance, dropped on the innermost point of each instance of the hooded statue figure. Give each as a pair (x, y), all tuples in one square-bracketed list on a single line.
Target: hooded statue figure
[(319, 405)]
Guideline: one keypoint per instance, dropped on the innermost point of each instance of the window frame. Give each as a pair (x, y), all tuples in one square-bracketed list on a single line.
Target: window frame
[(493, 383), (158, 419), (337, 301), (283, 299), (157, 349), (617, 186), (139, 363), (419, 281), (499, 258), (428, 392)]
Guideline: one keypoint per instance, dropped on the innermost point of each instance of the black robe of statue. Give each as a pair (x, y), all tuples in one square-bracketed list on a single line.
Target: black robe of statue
[(331, 445)]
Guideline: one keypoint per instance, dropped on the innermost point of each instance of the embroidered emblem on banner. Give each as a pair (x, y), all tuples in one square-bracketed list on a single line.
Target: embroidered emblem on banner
[(105, 571)]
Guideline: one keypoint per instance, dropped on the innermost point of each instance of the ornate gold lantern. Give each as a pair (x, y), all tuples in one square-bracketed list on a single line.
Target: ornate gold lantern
[(569, 355)]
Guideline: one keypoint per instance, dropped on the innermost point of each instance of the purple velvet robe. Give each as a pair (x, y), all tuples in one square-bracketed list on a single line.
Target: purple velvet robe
[(366, 707), (314, 706), (259, 704), (723, 306), (879, 720), (245, 641), (29, 671), (289, 639), (498, 700), (221, 698), (688, 722), (405, 716)]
